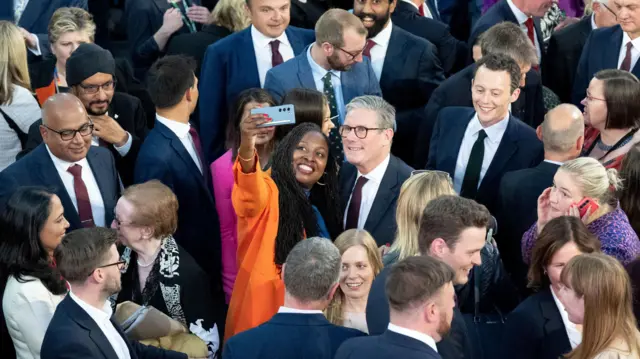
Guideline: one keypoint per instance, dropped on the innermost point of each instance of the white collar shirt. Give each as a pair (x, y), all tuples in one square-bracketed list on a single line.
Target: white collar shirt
[(369, 191), (635, 50), (262, 48), (427, 339), (288, 310), (575, 336), (181, 130), (379, 50)]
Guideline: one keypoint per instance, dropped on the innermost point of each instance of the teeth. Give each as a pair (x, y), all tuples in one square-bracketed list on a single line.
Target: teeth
[(353, 285), (305, 168)]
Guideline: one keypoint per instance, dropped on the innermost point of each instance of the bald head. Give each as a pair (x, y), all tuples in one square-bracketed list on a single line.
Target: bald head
[(60, 107), (66, 128), (563, 129)]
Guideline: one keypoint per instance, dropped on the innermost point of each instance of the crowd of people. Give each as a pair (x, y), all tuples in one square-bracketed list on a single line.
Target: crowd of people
[(461, 181)]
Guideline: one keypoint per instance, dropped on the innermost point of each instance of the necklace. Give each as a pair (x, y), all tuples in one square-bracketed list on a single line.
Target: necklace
[(604, 147), (150, 262)]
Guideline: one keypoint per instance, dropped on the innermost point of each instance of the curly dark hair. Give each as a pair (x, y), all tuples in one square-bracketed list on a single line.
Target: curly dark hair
[(297, 218)]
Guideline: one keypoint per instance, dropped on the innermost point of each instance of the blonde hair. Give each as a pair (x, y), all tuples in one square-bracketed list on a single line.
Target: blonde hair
[(13, 62), (231, 15), (594, 179), (348, 239), (155, 206), (71, 19), (608, 314), (416, 192)]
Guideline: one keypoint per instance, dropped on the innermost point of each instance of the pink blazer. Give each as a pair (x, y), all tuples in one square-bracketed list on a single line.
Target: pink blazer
[(222, 178)]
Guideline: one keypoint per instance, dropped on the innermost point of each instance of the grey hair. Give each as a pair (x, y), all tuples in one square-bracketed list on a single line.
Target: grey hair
[(311, 269), (386, 113)]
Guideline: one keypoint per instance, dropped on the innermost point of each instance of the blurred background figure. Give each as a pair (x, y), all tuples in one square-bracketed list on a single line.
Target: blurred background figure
[(630, 193), (310, 105)]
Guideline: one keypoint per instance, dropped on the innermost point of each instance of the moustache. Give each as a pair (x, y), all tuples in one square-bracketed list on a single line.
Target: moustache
[(363, 15)]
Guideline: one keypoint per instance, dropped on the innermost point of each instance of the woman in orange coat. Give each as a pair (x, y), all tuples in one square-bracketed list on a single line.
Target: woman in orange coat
[(300, 199)]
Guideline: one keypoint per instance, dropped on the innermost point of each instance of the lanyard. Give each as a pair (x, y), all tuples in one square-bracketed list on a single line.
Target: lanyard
[(621, 142), (190, 25), (55, 79)]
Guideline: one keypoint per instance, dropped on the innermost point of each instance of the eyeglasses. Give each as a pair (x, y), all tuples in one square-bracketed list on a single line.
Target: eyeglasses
[(591, 98), (353, 56), (93, 89), (68, 135), (119, 222), (360, 131), (119, 264), (611, 11)]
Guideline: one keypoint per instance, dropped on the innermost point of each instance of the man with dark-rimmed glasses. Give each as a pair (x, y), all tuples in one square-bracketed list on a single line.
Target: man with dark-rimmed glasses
[(84, 177)]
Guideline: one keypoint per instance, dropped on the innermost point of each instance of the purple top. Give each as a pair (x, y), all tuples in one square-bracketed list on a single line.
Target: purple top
[(613, 230)]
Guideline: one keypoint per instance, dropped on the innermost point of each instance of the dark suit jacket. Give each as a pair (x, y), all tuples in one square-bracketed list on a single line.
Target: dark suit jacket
[(410, 73), (456, 91), (194, 45), (517, 211), (387, 345), (455, 345), (229, 67), (289, 336), (535, 330), (519, 148), (600, 52), (451, 51), (128, 112), (72, 334), (381, 222), (163, 157), (563, 53), (37, 169)]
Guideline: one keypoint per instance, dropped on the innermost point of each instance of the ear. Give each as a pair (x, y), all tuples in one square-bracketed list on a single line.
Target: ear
[(389, 133), (43, 132), (515, 95), (430, 312), (327, 48), (392, 6), (580, 143), (539, 132), (188, 95), (74, 90), (332, 291), (97, 275), (595, 6), (147, 232), (438, 248)]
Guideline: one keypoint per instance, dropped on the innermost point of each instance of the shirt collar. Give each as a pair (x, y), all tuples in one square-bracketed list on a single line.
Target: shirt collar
[(288, 310), (382, 39), (554, 162), (98, 315), (64, 165), (260, 40), (411, 2), (593, 23), (180, 129), (377, 173), (316, 69), (428, 340), (494, 132), (520, 16), (626, 39)]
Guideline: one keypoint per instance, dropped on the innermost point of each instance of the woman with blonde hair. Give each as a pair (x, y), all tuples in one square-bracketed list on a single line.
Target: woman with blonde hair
[(586, 189), (18, 108), (361, 263), (597, 295)]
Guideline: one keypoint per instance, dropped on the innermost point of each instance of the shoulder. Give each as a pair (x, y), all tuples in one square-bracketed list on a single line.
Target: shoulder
[(403, 169), (456, 113), (227, 44), (123, 100), (100, 152), (525, 132), (29, 290), (22, 94), (603, 35), (303, 33), (347, 333), (459, 80)]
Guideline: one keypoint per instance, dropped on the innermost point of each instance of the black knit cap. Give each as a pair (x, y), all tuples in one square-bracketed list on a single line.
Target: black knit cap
[(88, 60)]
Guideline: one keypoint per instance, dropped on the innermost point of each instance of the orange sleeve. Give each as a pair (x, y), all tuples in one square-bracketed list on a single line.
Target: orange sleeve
[(251, 191)]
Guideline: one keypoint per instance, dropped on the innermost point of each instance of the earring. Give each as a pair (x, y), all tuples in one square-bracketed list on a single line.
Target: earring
[(320, 183)]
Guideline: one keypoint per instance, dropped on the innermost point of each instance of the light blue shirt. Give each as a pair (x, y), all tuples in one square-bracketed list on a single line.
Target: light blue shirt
[(318, 73)]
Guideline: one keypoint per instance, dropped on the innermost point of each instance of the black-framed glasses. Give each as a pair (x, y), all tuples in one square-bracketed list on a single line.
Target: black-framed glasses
[(611, 11), (93, 89), (353, 55), (120, 265), (360, 131), (68, 135)]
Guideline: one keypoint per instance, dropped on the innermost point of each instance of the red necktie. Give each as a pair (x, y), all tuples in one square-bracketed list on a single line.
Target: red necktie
[(626, 63), (421, 9), (276, 57), (82, 197), (367, 48), (196, 143), (531, 31), (353, 212)]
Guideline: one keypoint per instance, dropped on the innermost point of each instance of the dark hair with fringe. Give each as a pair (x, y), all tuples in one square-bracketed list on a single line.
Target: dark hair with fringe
[(297, 218)]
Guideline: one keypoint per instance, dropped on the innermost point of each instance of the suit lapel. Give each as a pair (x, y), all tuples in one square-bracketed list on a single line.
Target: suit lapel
[(506, 149), (384, 196), (161, 6), (612, 49), (348, 180), (394, 53), (102, 176), (82, 318), (553, 325), (451, 146), (246, 56), (297, 44), (32, 12), (305, 75)]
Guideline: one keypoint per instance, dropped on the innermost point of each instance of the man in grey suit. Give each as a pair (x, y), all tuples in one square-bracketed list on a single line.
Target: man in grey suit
[(333, 65)]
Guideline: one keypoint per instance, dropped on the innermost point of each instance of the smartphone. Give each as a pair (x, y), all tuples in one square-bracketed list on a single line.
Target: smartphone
[(280, 115), (585, 204)]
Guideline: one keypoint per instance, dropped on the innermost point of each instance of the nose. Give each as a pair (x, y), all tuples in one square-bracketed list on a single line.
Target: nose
[(476, 260), (102, 94), (114, 224), (584, 102), (351, 273)]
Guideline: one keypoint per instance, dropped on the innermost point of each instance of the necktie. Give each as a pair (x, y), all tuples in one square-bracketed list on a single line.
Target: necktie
[(82, 197), (531, 31), (196, 143), (353, 212), (367, 48), (472, 174), (421, 9), (276, 57), (334, 135), (626, 63)]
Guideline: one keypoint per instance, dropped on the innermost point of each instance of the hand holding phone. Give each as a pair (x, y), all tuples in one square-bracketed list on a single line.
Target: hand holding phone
[(587, 206), (279, 115)]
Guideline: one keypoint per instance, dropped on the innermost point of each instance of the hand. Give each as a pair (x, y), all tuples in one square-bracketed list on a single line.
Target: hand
[(29, 39), (199, 14), (109, 130), (384, 249), (544, 210), (249, 129), (172, 21), (575, 212), (566, 22)]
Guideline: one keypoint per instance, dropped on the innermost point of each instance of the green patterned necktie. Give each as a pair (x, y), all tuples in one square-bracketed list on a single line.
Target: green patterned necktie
[(334, 135)]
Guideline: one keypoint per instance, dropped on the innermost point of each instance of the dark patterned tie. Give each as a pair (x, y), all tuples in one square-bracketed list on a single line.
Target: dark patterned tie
[(276, 57), (353, 212), (334, 135), (367, 48), (471, 179), (626, 63), (196, 143), (82, 197)]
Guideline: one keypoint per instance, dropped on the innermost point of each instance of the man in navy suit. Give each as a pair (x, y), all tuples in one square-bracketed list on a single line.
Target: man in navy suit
[(370, 182), (82, 325), (172, 154), (311, 276), (241, 61), (421, 299), (452, 229), (476, 146), (616, 47), (503, 39), (33, 16), (84, 177), (405, 65)]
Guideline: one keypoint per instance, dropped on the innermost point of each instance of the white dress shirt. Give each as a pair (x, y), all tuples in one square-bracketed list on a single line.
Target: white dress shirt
[(95, 140), (379, 51), (425, 8), (262, 48), (284, 309), (491, 143), (18, 9), (575, 336), (593, 23), (635, 50), (181, 130), (318, 73), (428, 340), (369, 192), (522, 18), (95, 196), (554, 162), (101, 317)]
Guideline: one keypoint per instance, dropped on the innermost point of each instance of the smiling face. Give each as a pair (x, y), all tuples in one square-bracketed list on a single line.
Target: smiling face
[(270, 17), (357, 272), (537, 8), (55, 227), (465, 254), (375, 14), (366, 153), (595, 106), (491, 95), (564, 193), (97, 104), (310, 158), (71, 117), (558, 261)]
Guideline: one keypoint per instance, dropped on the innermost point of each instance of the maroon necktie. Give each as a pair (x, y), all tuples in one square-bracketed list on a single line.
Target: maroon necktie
[(367, 48), (82, 197), (421, 9), (276, 57), (626, 63), (197, 145), (354, 207), (531, 34)]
